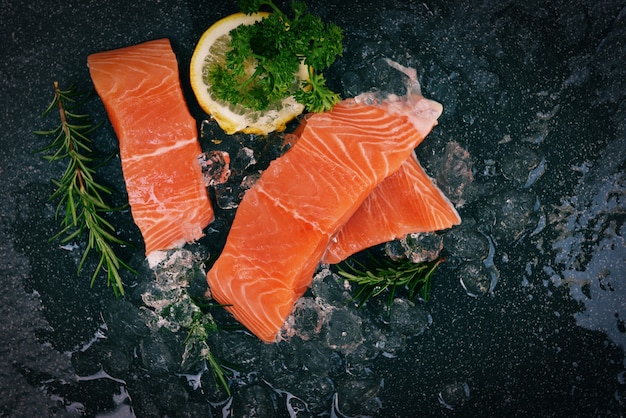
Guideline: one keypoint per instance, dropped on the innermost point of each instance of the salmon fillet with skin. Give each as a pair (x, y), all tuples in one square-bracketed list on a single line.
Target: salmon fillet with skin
[(406, 202), (284, 223), (140, 88)]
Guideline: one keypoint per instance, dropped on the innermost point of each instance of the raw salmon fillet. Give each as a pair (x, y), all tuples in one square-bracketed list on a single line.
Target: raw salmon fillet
[(406, 202), (159, 149), (284, 224)]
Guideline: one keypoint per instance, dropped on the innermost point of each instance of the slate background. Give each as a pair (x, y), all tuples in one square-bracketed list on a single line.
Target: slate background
[(520, 357)]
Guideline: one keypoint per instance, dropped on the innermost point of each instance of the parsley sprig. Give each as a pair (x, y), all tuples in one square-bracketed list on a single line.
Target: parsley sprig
[(275, 47), (78, 192)]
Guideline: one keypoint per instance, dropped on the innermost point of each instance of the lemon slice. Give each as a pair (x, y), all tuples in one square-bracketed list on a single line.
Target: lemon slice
[(211, 50)]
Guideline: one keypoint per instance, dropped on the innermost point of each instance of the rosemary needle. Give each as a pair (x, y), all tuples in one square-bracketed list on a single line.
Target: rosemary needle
[(80, 195)]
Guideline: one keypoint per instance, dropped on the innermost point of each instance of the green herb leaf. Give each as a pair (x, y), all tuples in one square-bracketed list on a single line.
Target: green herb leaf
[(380, 275), (79, 194), (275, 47), (197, 342)]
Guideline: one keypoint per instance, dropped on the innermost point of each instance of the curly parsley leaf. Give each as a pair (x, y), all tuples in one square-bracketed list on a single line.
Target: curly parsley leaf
[(315, 95)]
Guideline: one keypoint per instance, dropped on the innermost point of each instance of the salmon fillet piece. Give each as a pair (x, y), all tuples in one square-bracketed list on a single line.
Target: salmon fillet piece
[(284, 223), (406, 202), (140, 88)]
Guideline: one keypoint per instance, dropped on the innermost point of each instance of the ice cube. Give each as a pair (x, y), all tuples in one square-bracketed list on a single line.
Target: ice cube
[(344, 331)]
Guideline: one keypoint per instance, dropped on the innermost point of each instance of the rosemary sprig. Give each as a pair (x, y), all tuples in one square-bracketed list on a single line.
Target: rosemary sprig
[(385, 274), (197, 341), (79, 194)]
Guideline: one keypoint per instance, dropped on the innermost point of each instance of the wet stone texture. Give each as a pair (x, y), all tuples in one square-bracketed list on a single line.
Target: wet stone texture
[(525, 317)]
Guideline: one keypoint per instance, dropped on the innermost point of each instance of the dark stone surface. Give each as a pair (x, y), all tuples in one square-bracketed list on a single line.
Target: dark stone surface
[(519, 81)]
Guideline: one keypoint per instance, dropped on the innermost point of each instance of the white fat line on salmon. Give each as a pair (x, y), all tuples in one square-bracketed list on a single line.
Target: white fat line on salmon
[(295, 214), (348, 159), (344, 160), (164, 150)]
